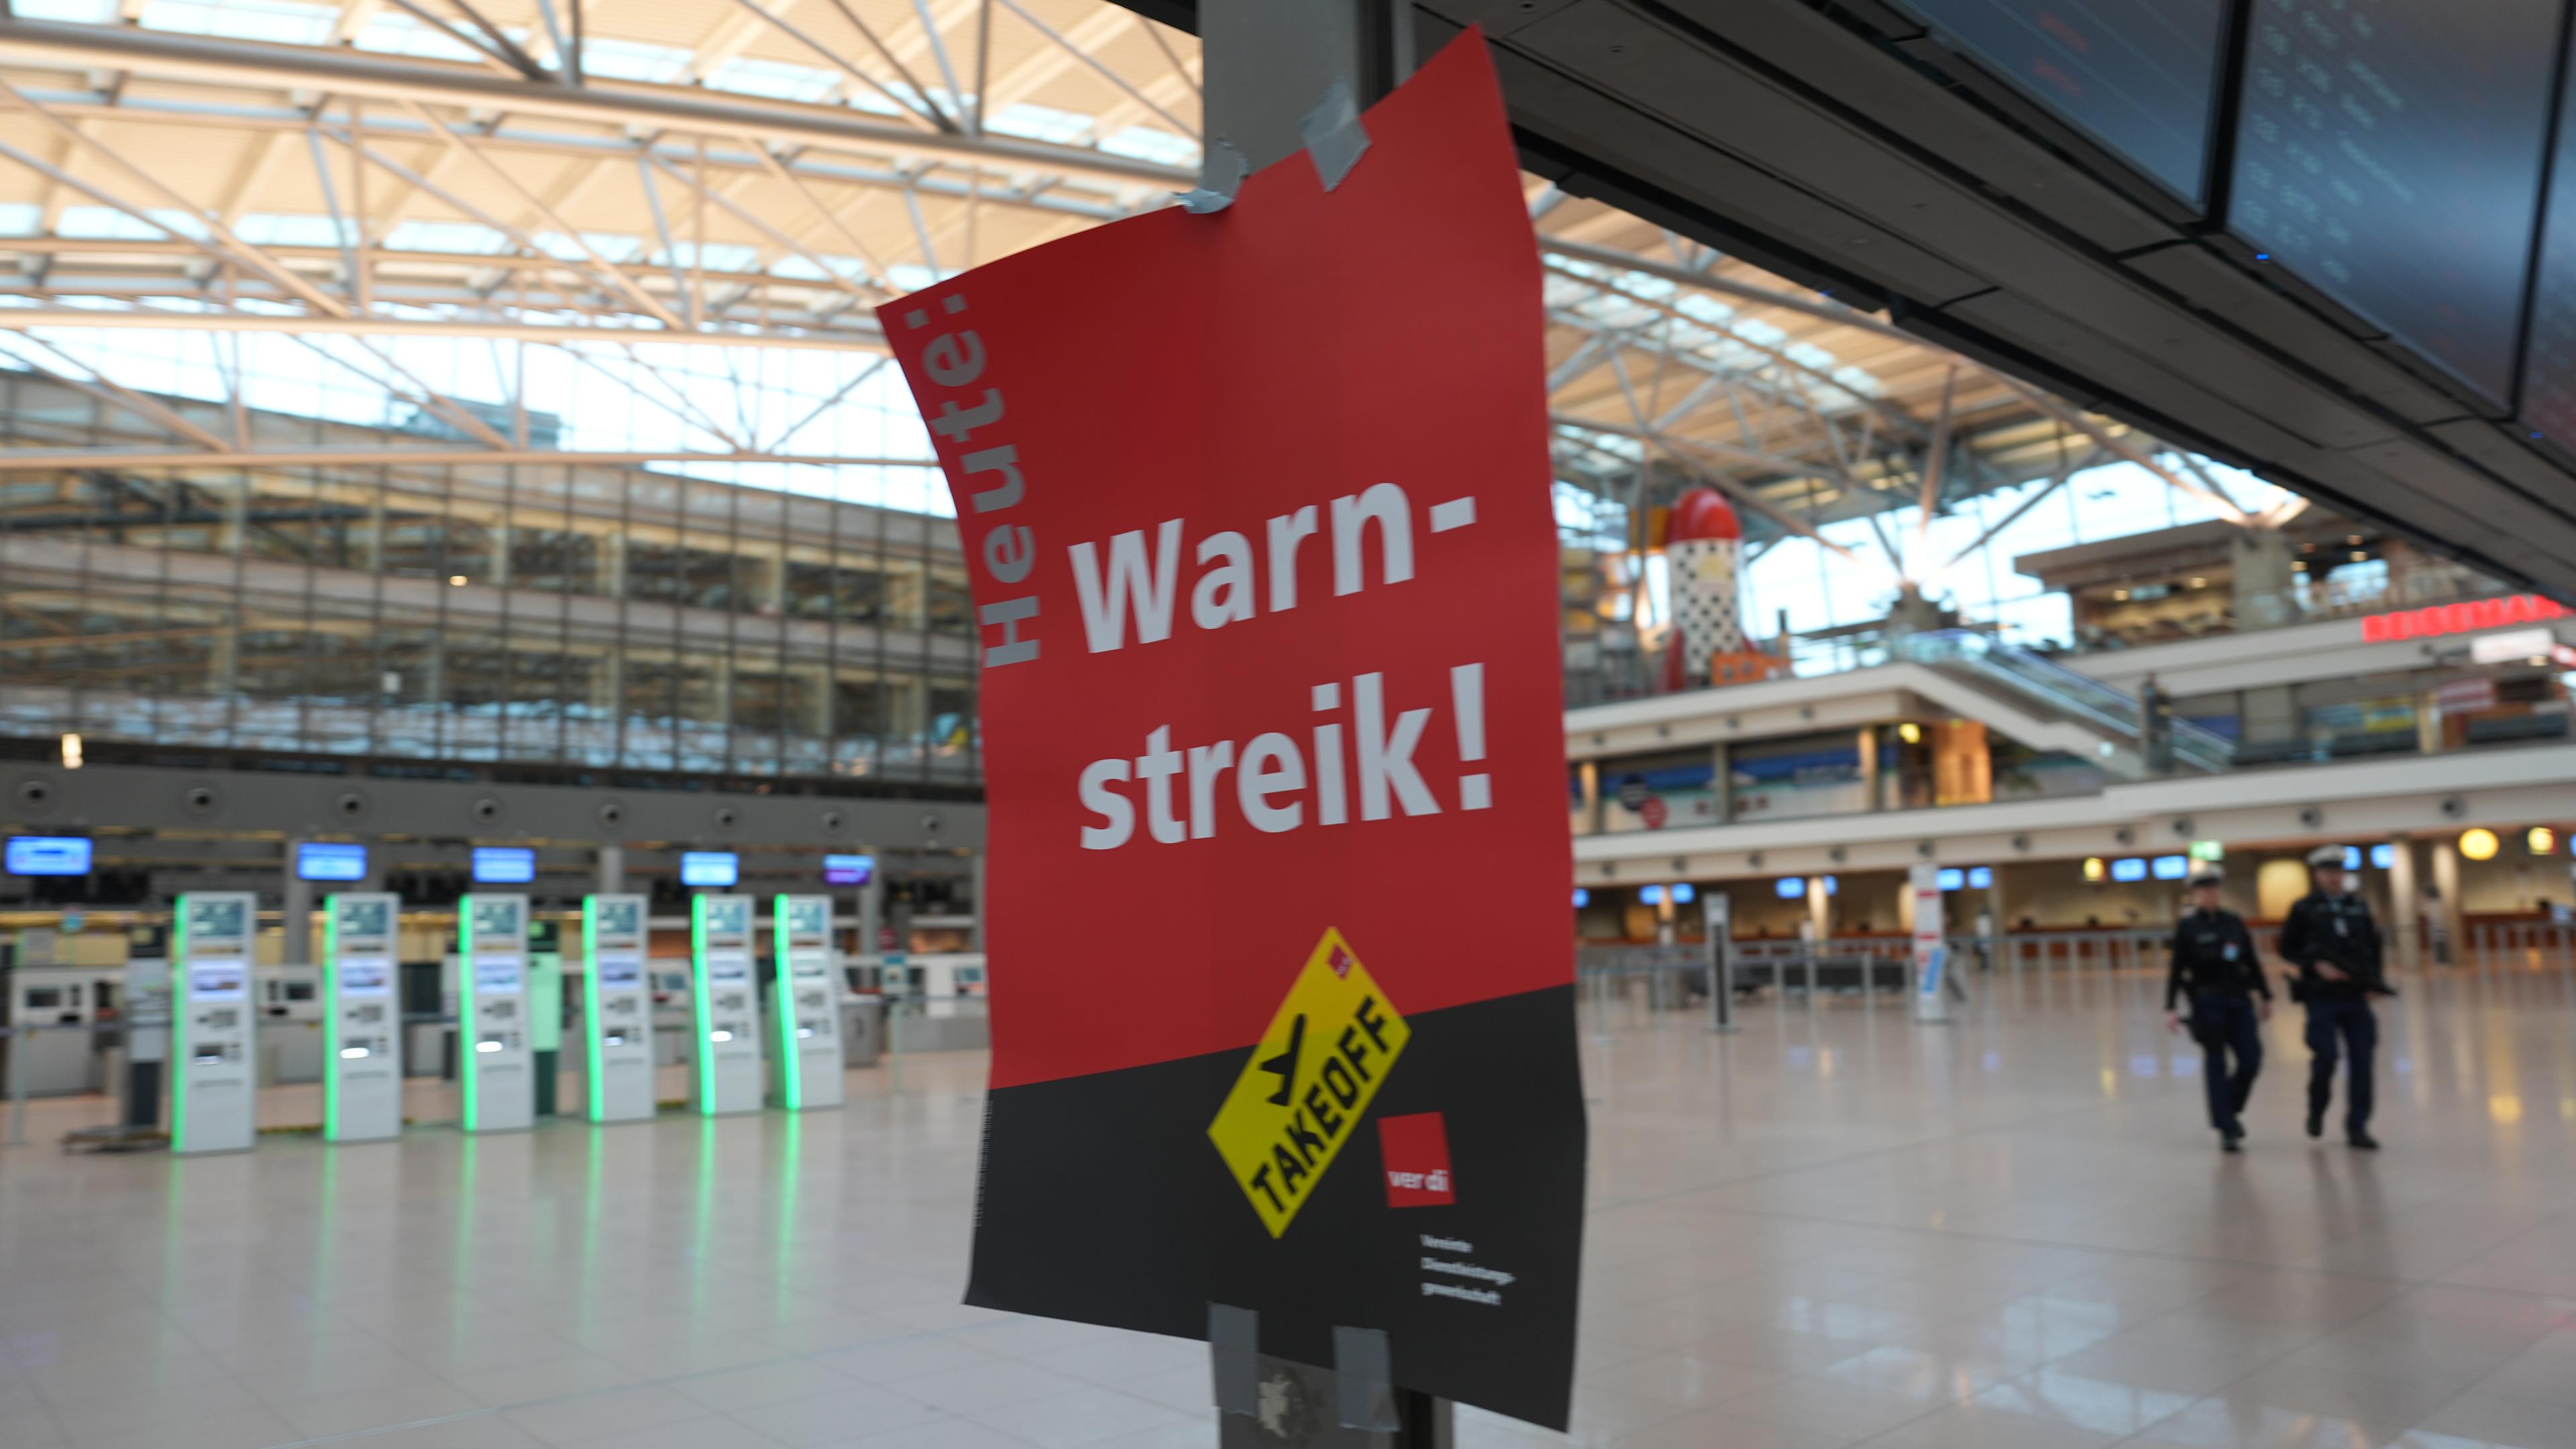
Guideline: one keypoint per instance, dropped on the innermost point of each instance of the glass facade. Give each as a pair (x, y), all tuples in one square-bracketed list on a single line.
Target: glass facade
[(576, 615)]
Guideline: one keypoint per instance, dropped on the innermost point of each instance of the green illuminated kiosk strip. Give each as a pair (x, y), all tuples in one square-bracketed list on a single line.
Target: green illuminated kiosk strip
[(590, 1006), (704, 1051), (782, 1009), (465, 1073), (330, 1018), (176, 1066)]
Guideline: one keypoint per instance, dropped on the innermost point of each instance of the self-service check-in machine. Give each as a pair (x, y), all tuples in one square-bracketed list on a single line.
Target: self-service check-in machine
[(361, 1019), (805, 1005), (728, 1008), (616, 1009), (493, 1066), (214, 1098)]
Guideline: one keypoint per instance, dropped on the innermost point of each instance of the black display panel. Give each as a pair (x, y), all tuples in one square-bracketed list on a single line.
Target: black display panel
[(2140, 78), (2389, 152), (2549, 352)]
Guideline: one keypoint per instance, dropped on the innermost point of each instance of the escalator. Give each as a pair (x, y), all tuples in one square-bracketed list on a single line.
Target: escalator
[(2037, 683)]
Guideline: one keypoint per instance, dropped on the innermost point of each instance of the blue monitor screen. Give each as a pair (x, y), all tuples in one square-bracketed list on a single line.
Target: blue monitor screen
[(2172, 867), (712, 868), (1651, 895), (1981, 877), (316, 860), (2133, 868), (1790, 887), (2383, 856), (2142, 79), (2390, 155), (849, 870), (48, 855), (2352, 857), (504, 865), (1685, 893), (1582, 898), (1952, 878)]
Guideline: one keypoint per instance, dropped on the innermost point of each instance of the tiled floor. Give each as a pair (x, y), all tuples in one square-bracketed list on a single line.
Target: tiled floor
[(1834, 1228)]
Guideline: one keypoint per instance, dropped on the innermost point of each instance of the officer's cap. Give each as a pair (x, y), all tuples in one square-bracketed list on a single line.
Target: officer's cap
[(2208, 878), (2325, 856)]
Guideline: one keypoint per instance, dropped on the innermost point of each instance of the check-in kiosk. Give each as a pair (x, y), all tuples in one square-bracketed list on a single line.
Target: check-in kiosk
[(805, 1005), (214, 1099), (361, 1019), (728, 1010), (616, 1009), (492, 1067)]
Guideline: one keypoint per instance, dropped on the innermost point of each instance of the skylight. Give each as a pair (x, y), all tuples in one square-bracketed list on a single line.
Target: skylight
[(402, 35), (775, 79), (286, 22), (72, 12), (108, 222), (466, 237), (633, 60), (1042, 123), (1147, 143)]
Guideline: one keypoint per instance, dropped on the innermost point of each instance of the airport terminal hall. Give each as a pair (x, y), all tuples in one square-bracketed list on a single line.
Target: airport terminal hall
[(1225, 724)]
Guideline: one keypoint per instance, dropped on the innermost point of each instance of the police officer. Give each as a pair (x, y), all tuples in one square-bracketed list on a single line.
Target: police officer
[(2330, 939), (2213, 959)]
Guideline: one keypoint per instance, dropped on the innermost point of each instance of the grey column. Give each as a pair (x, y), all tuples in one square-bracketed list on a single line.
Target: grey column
[(612, 869), (2260, 592), (1722, 783), (298, 950), (2405, 901), (1269, 65), (872, 910), (2446, 911), (980, 916)]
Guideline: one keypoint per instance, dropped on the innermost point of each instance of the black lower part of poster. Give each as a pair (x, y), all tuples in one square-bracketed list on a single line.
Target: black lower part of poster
[(1103, 1201)]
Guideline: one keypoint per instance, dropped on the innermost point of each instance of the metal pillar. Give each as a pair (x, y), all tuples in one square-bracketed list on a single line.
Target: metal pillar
[(1717, 912), (1274, 74), (2446, 910), (872, 911), (2405, 902), (1269, 66), (298, 915), (612, 870)]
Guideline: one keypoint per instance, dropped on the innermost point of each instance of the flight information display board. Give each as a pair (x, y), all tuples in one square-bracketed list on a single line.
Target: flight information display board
[(2142, 79), (2390, 155), (2549, 353)]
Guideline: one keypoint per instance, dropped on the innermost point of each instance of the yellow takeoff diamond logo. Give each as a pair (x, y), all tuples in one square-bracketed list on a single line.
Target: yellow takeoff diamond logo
[(1309, 1082)]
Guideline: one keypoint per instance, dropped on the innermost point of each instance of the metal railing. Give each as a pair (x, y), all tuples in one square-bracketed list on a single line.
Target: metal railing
[(2051, 685), (1675, 977)]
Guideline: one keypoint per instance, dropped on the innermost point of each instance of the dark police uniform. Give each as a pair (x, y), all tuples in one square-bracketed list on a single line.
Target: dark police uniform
[(2336, 930), (2213, 959)]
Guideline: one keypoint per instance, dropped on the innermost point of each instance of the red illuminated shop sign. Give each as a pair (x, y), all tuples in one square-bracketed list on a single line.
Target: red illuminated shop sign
[(2461, 618)]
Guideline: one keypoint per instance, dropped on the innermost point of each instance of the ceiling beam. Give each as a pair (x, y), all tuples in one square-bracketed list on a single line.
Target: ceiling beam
[(215, 61)]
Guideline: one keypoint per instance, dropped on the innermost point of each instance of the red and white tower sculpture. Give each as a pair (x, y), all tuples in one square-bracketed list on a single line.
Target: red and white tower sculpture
[(1704, 549)]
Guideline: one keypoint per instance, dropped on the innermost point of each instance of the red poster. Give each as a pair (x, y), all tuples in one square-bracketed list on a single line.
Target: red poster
[(1257, 505)]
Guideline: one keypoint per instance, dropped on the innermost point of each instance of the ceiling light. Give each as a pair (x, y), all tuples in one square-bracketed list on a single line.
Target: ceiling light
[(2200, 583), (2478, 844), (1910, 732), (456, 580)]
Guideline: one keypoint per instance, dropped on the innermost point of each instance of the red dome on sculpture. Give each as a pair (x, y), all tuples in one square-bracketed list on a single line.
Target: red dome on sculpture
[(1702, 513)]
